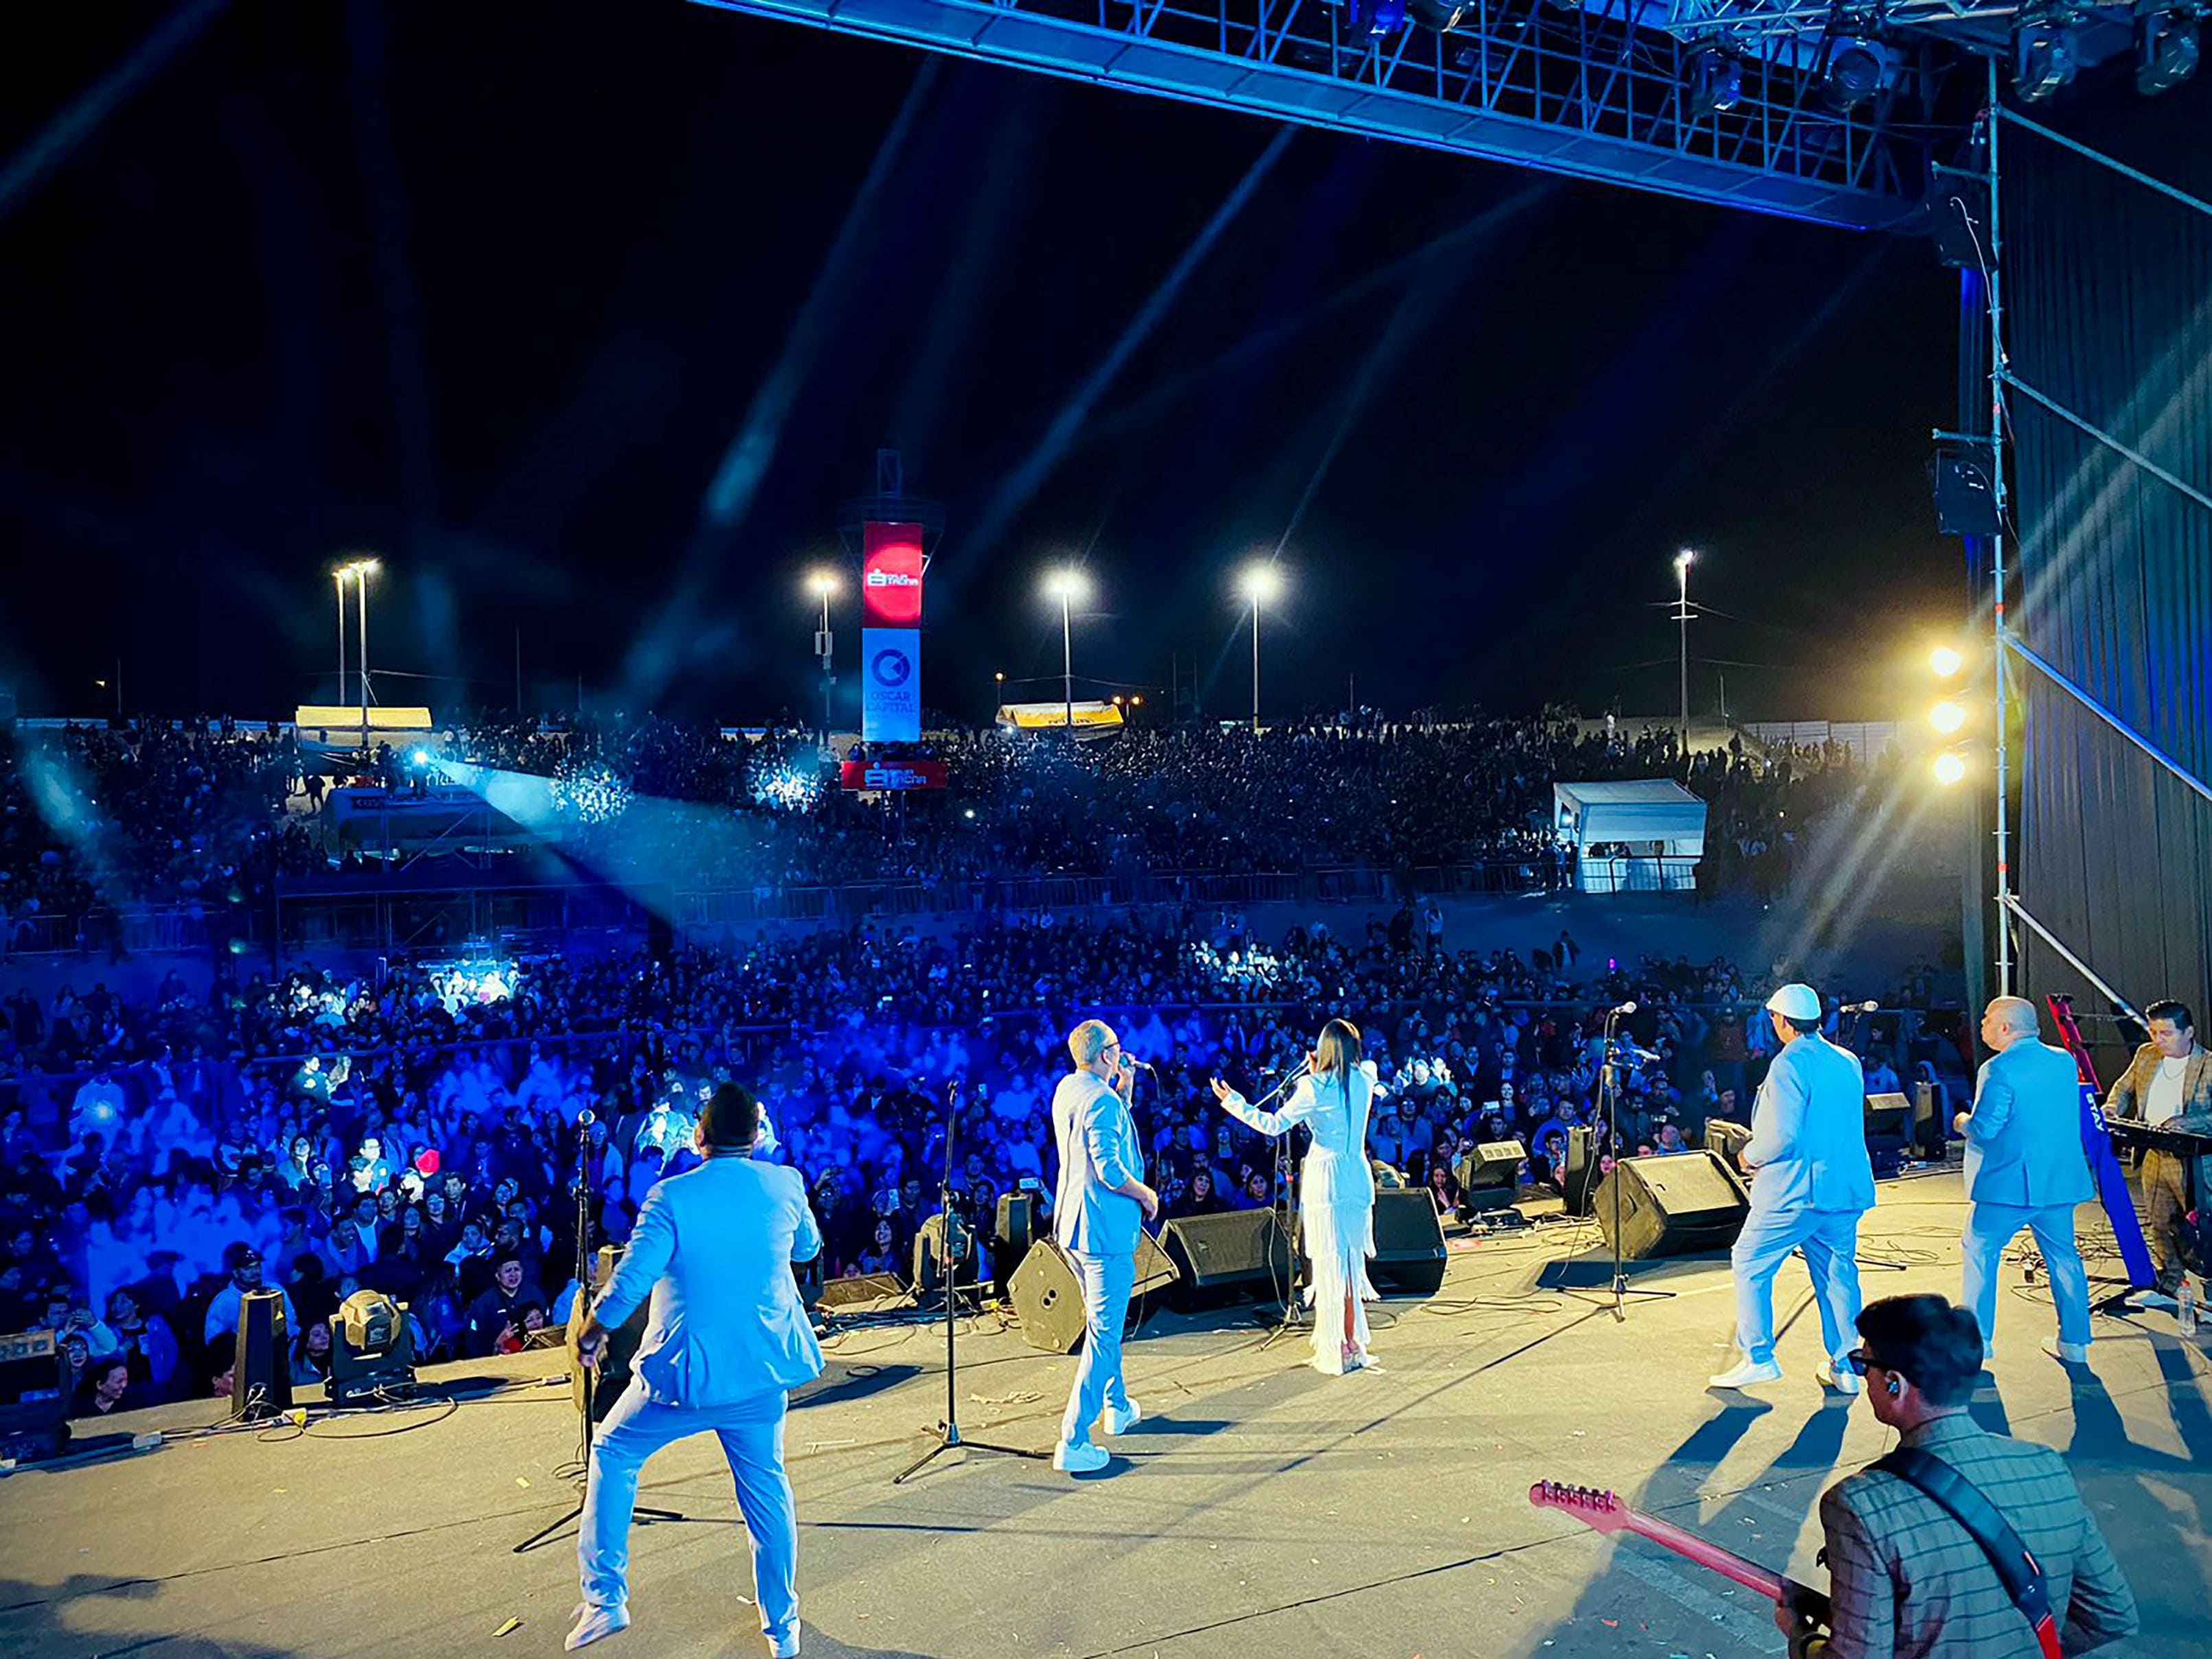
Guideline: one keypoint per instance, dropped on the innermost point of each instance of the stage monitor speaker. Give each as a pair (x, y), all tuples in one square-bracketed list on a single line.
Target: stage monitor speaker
[(1578, 1173), (1889, 1128), (1726, 1139), (34, 1396), (1673, 1205), (1236, 1253), (1047, 1292), (854, 1289), (807, 1275), (1409, 1241), (1013, 1229), (622, 1344), (1489, 1176), (930, 1252), (261, 1368), (1928, 1128)]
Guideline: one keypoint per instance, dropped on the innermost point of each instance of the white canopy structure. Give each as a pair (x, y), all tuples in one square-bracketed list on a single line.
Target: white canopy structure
[(1644, 835)]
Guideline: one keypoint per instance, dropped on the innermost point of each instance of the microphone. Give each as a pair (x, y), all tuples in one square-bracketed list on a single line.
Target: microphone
[(585, 1120), (1869, 1006), (1625, 1009)]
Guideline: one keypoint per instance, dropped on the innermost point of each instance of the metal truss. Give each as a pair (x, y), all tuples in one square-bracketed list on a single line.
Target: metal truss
[(1597, 90)]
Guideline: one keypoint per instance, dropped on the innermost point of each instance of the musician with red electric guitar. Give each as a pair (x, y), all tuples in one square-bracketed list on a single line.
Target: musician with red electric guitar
[(1960, 1544)]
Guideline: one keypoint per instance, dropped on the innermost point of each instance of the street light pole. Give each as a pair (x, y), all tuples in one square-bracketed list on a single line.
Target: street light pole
[(338, 577), (1260, 583), (1067, 661), (363, 575), (1682, 560)]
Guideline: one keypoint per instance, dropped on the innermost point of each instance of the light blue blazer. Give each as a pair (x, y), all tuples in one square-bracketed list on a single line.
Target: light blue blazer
[(1807, 1145), (1098, 1151), (714, 1247), (2024, 1135)]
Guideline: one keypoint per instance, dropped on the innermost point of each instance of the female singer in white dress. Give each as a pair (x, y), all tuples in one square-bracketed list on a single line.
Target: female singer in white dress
[(1336, 1188)]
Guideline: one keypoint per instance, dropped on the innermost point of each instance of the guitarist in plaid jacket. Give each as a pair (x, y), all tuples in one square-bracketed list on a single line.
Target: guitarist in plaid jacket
[(1906, 1577)]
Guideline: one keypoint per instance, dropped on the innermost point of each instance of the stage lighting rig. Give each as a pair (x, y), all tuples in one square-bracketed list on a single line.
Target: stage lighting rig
[(2168, 44), (372, 1350), (1712, 81), (2046, 53), (1854, 74)]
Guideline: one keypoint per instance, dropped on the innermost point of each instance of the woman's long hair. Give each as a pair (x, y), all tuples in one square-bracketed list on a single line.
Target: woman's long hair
[(1337, 1053)]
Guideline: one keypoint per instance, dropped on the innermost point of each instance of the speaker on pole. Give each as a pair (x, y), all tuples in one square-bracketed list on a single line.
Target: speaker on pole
[(1673, 1205)]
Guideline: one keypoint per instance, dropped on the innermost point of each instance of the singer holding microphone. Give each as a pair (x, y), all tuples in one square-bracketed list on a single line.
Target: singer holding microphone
[(1097, 1209), (1336, 1188)]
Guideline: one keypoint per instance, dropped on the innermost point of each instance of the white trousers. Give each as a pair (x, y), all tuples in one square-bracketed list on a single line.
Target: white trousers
[(1107, 1282), (751, 1433)]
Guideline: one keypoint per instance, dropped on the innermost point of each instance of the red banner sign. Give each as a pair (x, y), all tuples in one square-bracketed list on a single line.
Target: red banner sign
[(891, 774), (891, 575)]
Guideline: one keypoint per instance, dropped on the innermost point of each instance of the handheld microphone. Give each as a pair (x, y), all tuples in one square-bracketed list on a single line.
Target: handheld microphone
[(1869, 1006)]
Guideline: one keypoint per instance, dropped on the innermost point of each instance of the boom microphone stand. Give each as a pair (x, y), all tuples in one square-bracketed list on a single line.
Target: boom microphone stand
[(947, 1433), (1292, 1317), (1608, 1094), (589, 1375)]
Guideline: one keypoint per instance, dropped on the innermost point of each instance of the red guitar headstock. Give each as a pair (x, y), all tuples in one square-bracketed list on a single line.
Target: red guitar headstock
[(1601, 1511)]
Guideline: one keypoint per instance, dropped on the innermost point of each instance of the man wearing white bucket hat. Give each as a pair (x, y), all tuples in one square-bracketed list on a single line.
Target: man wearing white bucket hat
[(1811, 1182)]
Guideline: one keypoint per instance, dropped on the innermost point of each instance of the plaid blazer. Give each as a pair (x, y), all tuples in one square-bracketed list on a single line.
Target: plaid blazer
[(1906, 1580)]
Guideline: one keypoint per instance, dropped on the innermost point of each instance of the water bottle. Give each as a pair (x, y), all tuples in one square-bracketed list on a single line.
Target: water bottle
[(2186, 1311)]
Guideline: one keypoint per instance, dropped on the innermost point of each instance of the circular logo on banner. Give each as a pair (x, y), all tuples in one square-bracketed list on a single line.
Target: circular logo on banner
[(892, 668)]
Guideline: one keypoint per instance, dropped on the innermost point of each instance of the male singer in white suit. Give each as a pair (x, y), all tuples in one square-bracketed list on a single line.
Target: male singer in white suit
[(1097, 1209), (2026, 1167), (1811, 1181), (728, 1339)]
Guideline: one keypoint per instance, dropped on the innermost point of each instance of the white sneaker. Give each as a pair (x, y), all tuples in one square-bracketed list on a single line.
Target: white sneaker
[(1746, 1372), (1122, 1422), (1834, 1374), (784, 1647), (1086, 1459), (2067, 1353), (597, 1624)]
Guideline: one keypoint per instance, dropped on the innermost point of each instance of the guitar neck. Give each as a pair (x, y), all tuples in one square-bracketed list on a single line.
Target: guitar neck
[(1726, 1563)]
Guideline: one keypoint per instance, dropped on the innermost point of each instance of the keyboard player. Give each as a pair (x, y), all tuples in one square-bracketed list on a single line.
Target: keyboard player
[(2168, 1086)]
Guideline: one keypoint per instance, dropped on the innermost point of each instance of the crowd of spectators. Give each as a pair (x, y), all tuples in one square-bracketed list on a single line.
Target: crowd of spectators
[(416, 1131), (95, 821)]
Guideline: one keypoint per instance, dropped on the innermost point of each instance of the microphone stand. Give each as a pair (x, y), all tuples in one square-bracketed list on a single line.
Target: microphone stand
[(946, 1435), (644, 1514), (1608, 1095), (1291, 1318)]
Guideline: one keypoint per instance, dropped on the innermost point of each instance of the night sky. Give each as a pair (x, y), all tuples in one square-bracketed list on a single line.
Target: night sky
[(490, 291)]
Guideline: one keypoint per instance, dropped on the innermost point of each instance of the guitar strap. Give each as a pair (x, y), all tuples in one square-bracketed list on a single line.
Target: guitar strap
[(2016, 1567)]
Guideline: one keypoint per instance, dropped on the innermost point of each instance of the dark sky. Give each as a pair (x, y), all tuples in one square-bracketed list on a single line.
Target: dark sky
[(490, 291)]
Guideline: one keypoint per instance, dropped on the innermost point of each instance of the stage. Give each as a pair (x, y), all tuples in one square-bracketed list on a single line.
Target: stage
[(1258, 1509)]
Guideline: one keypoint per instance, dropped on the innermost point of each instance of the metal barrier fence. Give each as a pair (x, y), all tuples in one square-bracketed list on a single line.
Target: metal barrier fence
[(402, 920)]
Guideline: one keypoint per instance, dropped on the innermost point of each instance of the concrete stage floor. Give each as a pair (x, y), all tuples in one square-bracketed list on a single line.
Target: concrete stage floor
[(1260, 1509)]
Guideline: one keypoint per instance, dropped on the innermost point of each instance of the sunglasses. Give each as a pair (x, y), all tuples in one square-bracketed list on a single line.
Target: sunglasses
[(1859, 1361)]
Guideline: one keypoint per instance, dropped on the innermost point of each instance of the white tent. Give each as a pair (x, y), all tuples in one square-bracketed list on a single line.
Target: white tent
[(1641, 836)]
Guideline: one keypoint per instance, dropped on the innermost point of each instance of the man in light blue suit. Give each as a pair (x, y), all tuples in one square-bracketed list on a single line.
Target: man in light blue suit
[(1097, 1209), (1811, 1182), (728, 1339), (2026, 1167)]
